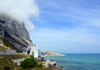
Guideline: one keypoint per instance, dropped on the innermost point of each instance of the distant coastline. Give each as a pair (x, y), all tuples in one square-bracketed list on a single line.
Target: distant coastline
[(49, 53)]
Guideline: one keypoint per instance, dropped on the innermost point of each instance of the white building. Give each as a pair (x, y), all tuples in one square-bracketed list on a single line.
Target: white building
[(33, 50)]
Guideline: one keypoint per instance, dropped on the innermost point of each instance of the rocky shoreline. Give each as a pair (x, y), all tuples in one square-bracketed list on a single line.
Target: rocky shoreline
[(51, 65)]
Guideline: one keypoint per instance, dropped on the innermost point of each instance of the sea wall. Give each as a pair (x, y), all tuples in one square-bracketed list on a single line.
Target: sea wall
[(7, 52)]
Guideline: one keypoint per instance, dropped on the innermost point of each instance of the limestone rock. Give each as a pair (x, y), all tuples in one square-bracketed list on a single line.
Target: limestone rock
[(49, 64), (15, 32)]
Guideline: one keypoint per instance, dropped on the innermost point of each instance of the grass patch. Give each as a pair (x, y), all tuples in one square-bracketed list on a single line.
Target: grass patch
[(2, 48), (6, 61)]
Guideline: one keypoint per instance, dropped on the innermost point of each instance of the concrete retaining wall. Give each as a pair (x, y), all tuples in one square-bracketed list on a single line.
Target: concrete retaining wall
[(7, 52)]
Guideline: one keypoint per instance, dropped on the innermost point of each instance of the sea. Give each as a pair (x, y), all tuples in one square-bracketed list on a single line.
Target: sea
[(77, 61)]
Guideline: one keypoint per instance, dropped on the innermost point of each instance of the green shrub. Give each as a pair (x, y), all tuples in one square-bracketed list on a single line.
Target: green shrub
[(6, 43), (40, 65), (30, 63)]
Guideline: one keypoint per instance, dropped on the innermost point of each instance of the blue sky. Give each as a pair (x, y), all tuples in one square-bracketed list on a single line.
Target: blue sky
[(67, 26)]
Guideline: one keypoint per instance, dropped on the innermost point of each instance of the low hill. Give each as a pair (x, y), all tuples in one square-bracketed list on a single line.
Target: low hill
[(49, 53)]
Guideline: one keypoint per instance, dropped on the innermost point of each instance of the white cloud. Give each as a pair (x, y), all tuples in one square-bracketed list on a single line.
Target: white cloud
[(20, 10)]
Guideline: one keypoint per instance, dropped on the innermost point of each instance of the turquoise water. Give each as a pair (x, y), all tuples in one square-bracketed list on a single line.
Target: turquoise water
[(78, 61)]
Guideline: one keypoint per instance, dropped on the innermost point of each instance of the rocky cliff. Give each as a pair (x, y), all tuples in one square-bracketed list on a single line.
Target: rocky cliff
[(14, 32)]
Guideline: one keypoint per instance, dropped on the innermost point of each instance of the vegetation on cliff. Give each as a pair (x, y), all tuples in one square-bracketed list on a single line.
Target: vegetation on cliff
[(7, 45)]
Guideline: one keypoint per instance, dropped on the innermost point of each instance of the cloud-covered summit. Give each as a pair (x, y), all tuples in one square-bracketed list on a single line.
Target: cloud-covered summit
[(20, 10)]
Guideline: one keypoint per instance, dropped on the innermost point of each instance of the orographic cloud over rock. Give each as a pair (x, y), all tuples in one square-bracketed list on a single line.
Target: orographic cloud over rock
[(20, 10)]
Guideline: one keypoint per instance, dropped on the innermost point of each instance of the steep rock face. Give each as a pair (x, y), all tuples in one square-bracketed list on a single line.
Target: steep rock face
[(14, 32)]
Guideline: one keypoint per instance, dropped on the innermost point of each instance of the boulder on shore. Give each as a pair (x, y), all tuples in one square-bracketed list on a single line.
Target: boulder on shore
[(49, 64)]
